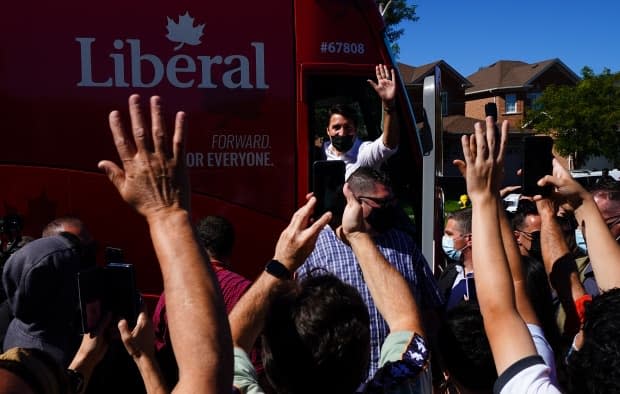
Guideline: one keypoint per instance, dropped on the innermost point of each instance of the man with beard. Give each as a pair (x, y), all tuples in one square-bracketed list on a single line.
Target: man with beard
[(380, 213)]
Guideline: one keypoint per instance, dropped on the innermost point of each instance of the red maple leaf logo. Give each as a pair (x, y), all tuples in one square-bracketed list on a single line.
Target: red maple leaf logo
[(184, 32)]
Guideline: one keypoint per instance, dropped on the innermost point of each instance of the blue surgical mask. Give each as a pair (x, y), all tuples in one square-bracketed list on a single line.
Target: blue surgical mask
[(580, 241), (447, 244)]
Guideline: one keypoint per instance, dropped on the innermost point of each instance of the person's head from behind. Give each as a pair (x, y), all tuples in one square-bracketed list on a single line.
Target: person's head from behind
[(595, 368), (68, 224), (342, 127), (374, 191), (217, 235), (465, 350), (316, 337), (456, 238), (31, 371), (74, 226), (40, 281)]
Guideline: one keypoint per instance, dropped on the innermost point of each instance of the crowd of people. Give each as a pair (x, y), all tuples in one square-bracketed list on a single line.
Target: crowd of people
[(527, 304)]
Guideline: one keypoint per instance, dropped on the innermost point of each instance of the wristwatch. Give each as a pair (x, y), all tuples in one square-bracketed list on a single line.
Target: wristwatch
[(277, 269)]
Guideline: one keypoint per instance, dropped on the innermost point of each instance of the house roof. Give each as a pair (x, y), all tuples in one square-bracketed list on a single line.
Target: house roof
[(460, 124), (415, 75), (506, 74)]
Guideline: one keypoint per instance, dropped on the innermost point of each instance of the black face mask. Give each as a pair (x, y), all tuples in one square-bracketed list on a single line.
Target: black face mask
[(343, 142), (535, 250), (382, 219)]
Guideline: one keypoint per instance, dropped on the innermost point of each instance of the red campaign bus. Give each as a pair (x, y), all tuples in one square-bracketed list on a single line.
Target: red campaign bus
[(254, 79)]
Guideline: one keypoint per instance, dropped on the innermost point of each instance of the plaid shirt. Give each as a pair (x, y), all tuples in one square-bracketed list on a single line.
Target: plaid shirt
[(332, 256)]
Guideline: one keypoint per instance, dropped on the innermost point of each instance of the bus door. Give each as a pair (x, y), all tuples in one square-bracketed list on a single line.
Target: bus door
[(325, 85)]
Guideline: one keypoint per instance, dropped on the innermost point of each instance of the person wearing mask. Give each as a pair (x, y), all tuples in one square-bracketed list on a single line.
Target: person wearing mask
[(456, 281), (526, 226), (344, 143)]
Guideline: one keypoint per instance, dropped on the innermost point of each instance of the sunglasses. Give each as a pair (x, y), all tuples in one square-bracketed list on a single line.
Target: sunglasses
[(378, 202)]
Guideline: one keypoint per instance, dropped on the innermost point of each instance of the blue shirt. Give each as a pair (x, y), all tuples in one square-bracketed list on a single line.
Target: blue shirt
[(333, 256)]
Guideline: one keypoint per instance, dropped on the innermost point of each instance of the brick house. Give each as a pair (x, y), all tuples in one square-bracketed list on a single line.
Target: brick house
[(514, 87), (453, 86)]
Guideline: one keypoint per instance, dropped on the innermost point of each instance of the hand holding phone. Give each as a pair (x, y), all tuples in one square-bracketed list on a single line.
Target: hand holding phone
[(109, 289)]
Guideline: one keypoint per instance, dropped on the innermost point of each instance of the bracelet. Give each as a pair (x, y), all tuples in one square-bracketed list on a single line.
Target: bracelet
[(277, 269)]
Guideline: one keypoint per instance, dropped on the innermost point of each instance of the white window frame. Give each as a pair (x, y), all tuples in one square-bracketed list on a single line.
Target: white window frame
[(514, 108)]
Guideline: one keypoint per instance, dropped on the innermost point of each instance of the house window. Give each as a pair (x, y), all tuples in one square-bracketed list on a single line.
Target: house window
[(444, 103), (531, 101), (511, 103)]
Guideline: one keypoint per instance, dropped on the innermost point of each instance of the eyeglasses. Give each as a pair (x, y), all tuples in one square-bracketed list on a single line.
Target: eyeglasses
[(377, 202)]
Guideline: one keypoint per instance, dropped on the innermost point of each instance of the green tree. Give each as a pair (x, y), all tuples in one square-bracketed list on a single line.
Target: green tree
[(584, 119), (397, 12)]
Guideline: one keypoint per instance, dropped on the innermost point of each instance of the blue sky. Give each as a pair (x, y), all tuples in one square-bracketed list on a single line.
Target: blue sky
[(472, 34)]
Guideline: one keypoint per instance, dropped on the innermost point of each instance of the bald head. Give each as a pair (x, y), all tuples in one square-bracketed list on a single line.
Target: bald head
[(69, 224)]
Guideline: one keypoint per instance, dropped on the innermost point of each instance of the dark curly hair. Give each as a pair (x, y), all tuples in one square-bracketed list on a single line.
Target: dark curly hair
[(217, 236), (316, 337), (595, 368), (464, 348)]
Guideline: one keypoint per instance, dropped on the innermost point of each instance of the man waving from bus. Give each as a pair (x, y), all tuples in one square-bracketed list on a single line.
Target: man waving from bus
[(343, 143)]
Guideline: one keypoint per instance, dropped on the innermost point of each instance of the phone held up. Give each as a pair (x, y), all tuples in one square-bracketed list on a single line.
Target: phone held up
[(490, 109), (327, 183), (108, 289), (537, 162)]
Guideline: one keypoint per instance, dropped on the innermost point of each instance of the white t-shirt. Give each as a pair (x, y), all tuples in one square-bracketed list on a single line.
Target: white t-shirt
[(530, 375), (362, 154), (544, 350)]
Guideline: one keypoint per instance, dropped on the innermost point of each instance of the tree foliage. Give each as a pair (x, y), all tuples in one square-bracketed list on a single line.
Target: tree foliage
[(398, 11), (584, 119)]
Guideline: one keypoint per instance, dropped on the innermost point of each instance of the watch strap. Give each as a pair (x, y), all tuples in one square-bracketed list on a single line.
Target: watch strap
[(277, 269)]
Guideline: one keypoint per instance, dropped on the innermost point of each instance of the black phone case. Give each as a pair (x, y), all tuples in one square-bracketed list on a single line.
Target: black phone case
[(537, 162), (327, 183)]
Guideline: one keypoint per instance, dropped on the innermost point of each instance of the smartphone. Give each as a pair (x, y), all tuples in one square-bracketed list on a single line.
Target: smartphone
[(91, 297), (121, 296), (490, 109), (327, 183), (537, 162)]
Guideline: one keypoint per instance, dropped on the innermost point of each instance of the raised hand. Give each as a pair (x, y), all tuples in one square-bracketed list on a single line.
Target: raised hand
[(484, 160), (499, 158), (567, 192), (352, 217), (153, 176), (297, 240), (140, 341), (385, 85)]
